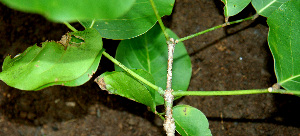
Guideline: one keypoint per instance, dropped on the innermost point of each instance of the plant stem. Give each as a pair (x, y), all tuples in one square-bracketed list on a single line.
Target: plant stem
[(163, 28), (235, 92), (161, 116), (214, 28), (160, 90), (169, 124), (171, 48), (70, 27), (214, 93)]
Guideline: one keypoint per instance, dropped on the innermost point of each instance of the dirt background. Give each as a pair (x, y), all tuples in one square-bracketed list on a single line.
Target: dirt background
[(231, 58)]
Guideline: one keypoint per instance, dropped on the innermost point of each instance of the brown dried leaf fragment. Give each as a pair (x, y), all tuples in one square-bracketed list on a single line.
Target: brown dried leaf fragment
[(64, 40), (101, 83)]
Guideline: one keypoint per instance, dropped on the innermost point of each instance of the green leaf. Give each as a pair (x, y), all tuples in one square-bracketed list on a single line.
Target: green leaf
[(55, 63), (266, 7), (284, 42), (121, 83), (190, 121), (83, 78), (138, 20), (233, 7), (71, 10), (150, 52)]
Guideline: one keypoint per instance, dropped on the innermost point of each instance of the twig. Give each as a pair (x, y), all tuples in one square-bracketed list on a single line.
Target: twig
[(214, 28), (219, 93), (169, 124), (235, 92), (158, 89)]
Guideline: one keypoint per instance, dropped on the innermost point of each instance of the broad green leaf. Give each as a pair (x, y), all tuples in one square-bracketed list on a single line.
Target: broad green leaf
[(150, 52), (121, 83), (190, 121), (55, 63), (71, 10), (284, 42), (83, 78), (233, 7), (267, 7), (138, 20)]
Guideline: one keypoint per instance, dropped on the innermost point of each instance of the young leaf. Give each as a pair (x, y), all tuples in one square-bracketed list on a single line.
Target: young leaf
[(150, 52), (233, 7), (55, 63), (121, 83), (266, 7), (71, 10), (138, 20), (284, 42), (190, 121)]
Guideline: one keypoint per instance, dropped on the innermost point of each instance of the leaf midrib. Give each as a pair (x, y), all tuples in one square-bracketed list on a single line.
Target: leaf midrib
[(147, 53), (268, 5), (289, 79)]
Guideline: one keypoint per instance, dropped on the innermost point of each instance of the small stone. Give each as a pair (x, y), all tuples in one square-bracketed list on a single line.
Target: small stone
[(98, 113), (131, 122), (56, 101), (71, 104)]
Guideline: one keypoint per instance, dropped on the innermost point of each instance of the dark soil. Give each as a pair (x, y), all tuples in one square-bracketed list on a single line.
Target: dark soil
[(232, 58)]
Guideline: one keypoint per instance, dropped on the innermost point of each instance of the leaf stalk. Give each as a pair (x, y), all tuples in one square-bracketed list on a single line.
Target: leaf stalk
[(70, 27), (234, 92), (158, 89), (214, 28), (163, 28)]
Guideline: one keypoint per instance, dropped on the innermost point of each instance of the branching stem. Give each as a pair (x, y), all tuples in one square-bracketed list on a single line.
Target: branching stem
[(160, 90), (169, 124)]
